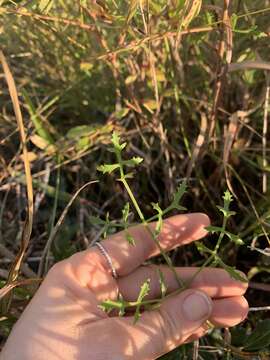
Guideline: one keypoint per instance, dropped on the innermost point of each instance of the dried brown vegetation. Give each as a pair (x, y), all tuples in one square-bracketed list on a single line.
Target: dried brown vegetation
[(185, 83)]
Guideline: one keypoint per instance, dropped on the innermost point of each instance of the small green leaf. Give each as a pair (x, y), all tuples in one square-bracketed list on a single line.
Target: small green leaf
[(122, 113), (163, 287), (83, 144), (137, 316), (250, 30), (150, 105), (130, 79), (202, 248), (129, 175), (108, 168), (116, 142), (136, 160), (145, 288), (226, 213), (80, 131), (177, 197), (109, 305), (107, 225), (132, 10), (239, 336), (96, 220), (155, 7), (227, 197), (45, 6), (37, 120), (234, 19), (209, 18), (125, 213), (130, 239), (232, 271), (235, 238), (216, 229), (159, 221), (86, 66), (123, 307), (260, 337)]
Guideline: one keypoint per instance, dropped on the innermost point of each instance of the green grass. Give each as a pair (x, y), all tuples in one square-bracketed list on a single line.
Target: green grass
[(186, 88)]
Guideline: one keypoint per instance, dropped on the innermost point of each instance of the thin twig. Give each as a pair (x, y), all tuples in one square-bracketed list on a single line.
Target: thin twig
[(24, 267), (54, 19), (134, 45), (244, 65), (259, 286), (195, 351), (224, 50), (57, 226), (26, 234), (260, 308), (264, 137), (198, 144)]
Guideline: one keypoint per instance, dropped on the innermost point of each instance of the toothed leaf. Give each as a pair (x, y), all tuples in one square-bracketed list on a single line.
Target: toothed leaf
[(108, 168), (145, 288)]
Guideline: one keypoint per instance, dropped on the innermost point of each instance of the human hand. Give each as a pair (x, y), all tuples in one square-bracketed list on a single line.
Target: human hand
[(63, 320)]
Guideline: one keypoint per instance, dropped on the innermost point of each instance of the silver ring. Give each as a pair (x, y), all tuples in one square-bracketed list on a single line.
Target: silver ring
[(108, 258)]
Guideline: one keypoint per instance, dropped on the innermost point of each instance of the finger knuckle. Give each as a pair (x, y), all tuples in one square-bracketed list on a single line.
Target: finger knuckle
[(169, 329), (59, 268)]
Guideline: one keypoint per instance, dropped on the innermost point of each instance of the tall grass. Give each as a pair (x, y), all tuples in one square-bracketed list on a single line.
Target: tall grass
[(185, 83)]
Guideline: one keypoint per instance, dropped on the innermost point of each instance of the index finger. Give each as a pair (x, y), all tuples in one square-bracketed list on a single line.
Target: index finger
[(176, 231)]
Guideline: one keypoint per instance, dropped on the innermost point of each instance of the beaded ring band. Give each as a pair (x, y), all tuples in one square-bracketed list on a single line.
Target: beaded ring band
[(108, 258)]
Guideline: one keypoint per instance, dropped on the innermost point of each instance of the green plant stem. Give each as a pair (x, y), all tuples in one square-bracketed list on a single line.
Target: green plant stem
[(55, 204), (208, 261), (221, 235), (145, 223), (164, 212), (155, 302)]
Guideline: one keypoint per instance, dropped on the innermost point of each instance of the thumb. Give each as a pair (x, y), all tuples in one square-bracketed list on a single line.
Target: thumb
[(178, 317)]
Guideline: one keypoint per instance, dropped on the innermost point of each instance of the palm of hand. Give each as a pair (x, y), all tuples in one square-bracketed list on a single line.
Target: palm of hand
[(63, 320)]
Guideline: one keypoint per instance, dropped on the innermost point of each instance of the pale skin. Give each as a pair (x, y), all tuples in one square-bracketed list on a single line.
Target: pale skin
[(63, 320)]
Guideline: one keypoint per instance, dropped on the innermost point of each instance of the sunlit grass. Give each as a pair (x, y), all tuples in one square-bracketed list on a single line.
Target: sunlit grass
[(184, 83)]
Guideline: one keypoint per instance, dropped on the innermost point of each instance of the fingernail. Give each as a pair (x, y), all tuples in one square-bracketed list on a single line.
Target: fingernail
[(197, 306)]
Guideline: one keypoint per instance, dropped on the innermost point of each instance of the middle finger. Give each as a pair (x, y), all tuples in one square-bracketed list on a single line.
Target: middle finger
[(217, 283)]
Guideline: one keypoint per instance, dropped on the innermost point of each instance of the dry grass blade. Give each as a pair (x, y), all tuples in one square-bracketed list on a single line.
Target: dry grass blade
[(259, 286), (27, 230), (54, 19), (229, 33), (264, 137), (252, 206), (7, 288), (192, 9), (25, 269), (198, 145), (224, 58), (244, 65), (195, 354), (228, 143), (260, 308), (57, 226), (135, 44), (132, 10)]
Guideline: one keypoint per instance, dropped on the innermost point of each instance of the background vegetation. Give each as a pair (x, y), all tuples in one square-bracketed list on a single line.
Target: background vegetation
[(186, 84)]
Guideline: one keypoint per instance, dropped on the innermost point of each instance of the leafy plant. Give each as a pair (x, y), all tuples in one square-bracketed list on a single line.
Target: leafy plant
[(213, 259), (260, 337), (186, 82)]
